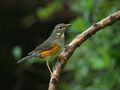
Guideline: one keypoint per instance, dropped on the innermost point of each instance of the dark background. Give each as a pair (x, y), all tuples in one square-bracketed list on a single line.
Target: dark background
[(24, 24)]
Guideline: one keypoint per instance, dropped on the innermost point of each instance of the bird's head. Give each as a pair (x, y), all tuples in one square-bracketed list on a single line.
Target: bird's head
[(60, 29)]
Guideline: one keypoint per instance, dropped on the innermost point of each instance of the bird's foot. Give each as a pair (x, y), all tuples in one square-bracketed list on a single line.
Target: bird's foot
[(54, 77), (62, 59)]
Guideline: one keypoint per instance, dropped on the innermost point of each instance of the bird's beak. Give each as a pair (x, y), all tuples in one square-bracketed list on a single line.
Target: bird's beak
[(68, 25)]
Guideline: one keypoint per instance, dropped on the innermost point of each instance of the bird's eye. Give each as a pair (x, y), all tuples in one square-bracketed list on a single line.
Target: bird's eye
[(60, 27)]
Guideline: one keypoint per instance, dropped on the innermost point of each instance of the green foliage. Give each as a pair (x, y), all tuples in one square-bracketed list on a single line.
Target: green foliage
[(47, 11), (28, 21), (79, 24), (82, 5), (17, 52)]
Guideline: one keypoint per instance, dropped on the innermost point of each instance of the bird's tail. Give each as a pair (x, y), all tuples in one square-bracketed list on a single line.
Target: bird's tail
[(24, 59)]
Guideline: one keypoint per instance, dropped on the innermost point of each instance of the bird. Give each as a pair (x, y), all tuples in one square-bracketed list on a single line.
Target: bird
[(50, 47)]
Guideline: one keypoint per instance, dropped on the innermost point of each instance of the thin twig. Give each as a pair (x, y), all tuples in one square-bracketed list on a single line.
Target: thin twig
[(79, 39)]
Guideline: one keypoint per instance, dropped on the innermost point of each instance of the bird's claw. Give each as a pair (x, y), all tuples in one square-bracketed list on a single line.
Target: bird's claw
[(62, 59)]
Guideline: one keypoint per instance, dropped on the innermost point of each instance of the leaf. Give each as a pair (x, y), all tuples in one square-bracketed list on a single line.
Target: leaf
[(47, 11)]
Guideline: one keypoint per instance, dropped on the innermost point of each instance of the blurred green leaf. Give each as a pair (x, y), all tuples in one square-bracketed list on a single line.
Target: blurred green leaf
[(79, 24), (46, 12), (97, 63), (82, 5), (17, 52), (28, 21)]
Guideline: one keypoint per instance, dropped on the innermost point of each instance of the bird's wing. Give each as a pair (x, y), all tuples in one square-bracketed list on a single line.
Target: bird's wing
[(44, 46)]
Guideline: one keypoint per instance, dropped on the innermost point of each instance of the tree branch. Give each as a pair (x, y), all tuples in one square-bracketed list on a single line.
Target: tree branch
[(79, 39)]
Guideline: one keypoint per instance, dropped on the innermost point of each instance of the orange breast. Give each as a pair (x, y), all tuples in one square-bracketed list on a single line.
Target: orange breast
[(54, 49)]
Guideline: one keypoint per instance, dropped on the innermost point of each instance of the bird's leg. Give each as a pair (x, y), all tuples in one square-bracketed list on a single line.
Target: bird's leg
[(52, 75), (47, 62), (62, 59)]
